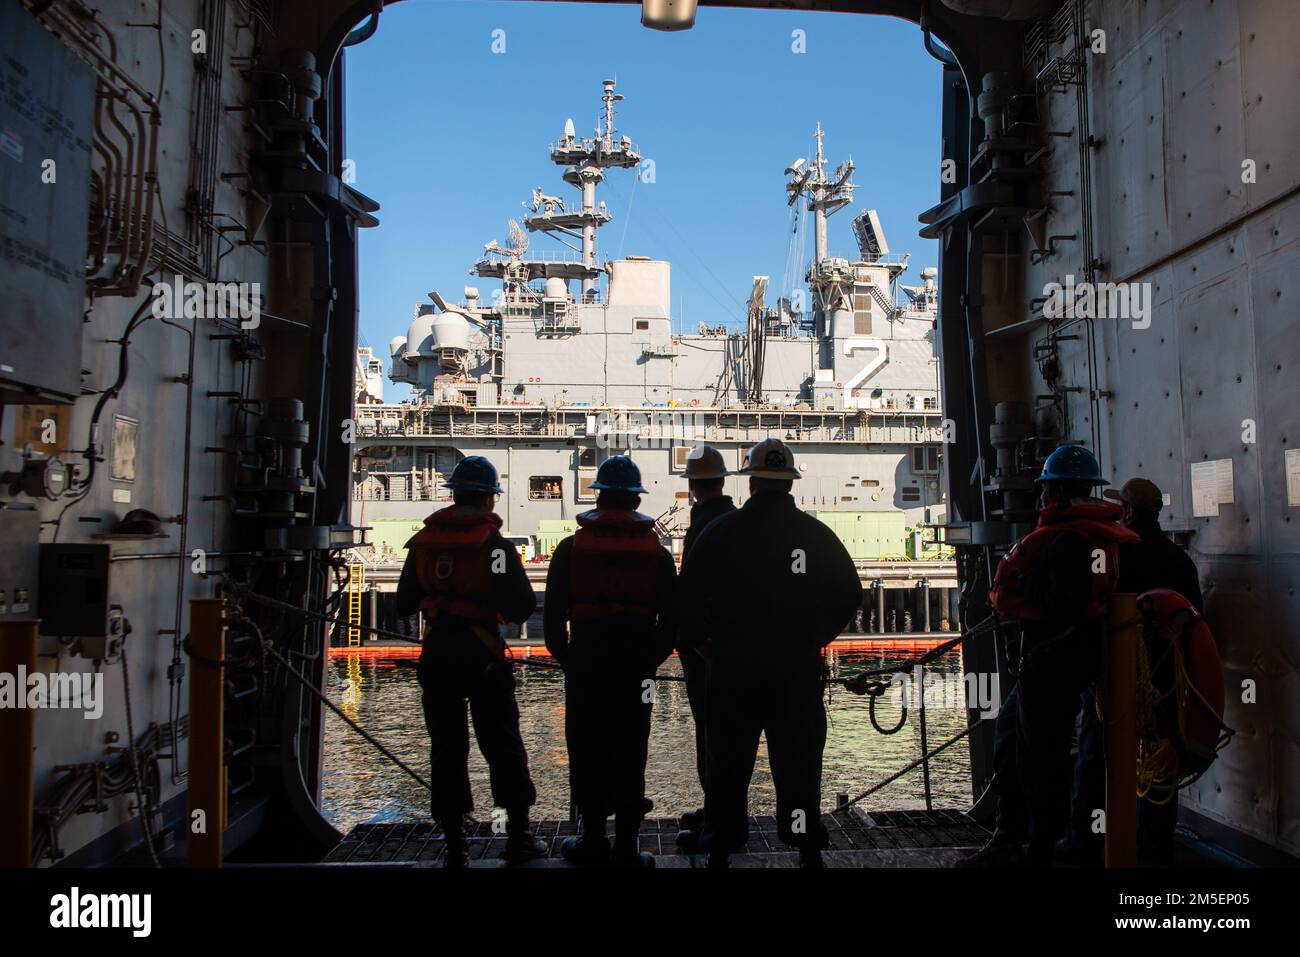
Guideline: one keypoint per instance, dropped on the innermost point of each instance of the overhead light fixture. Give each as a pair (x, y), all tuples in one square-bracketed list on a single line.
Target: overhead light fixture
[(668, 14)]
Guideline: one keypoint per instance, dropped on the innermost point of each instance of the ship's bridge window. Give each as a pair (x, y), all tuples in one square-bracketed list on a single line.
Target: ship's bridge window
[(587, 457), (544, 487), (925, 459), (911, 494), (680, 453), (585, 492)]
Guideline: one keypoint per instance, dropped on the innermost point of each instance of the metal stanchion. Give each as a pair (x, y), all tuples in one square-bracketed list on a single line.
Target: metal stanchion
[(207, 774), (1119, 705), (17, 743)]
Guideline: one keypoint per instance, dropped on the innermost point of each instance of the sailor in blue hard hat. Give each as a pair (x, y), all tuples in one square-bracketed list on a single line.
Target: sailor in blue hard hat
[(473, 473), (1072, 463), (618, 473), (609, 621), (1056, 583), (454, 575)]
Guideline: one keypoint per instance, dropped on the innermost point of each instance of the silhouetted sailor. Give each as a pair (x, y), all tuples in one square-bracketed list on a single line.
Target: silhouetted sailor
[(705, 472), (1152, 562), (467, 579), (770, 586), (1056, 582), (609, 621)]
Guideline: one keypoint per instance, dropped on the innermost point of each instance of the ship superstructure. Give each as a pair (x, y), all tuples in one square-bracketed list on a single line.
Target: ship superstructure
[(575, 358)]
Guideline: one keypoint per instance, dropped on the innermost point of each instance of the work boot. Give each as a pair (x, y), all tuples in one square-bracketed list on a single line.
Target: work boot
[(632, 860), (521, 843), (457, 856), (1002, 850), (688, 838), (718, 861), (586, 851)]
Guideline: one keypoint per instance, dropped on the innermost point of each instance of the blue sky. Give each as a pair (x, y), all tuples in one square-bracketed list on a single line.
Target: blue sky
[(451, 138)]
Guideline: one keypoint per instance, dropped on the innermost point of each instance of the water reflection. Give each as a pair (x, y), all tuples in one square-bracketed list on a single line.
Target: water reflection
[(382, 695)]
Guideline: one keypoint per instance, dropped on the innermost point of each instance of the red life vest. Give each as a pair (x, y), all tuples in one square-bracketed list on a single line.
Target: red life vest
[(453, 566), (1096, 521), (1198, 676), (615, 567)]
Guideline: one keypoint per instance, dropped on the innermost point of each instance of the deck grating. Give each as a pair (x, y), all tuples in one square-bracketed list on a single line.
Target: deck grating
[(851, 832)]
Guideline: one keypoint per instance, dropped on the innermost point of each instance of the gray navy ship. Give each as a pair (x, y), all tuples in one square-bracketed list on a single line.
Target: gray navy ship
[(575, 358)]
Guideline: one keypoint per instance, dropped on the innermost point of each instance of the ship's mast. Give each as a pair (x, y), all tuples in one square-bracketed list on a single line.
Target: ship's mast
[(825, 195), (585, 161)]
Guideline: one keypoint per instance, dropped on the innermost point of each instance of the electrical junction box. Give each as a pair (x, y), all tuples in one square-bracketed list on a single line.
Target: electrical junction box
[(74, 590), (47, 103)]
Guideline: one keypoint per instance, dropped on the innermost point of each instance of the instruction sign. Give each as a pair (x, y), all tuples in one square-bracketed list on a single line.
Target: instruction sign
[(1211, 487)]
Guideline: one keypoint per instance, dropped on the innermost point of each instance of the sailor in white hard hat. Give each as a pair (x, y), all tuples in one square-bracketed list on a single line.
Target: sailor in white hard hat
[(771, 586), (706, 474)]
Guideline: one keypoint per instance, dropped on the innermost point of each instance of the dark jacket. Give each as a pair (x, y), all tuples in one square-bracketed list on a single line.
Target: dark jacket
[(769, 578), (689, 633), (702, 513), (513, 594), (653, 640), (1156, 562), (1061, 588)]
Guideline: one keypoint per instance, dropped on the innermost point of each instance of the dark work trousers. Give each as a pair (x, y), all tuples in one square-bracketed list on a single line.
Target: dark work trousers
[(456, 668), (1155, 822), (695, 671), (607, 705), (1012, 816), (1052, 681), (748, 695)]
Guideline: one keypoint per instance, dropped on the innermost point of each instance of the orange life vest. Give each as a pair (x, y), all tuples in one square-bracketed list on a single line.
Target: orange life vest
[(615, 568), (1096, 521), (453, 566), (1198, 676)]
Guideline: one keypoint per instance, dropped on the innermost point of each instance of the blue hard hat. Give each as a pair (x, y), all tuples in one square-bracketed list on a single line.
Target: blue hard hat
[(473, 474), (618, 473), (1072, 463)]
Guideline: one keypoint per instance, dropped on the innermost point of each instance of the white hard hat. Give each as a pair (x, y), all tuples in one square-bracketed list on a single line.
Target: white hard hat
[(705, 462), (770, 459)]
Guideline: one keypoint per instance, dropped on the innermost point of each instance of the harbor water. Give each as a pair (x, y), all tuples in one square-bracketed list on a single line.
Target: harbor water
[(378, 689)]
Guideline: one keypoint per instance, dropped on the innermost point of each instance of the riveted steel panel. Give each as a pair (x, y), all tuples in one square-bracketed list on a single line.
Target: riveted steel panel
[(1269, 82), (47, 98), (1216, 344), (1145, 422), (1275, 301), (1205, 140)]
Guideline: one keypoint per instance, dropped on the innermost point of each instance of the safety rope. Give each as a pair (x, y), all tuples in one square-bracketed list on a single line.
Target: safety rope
[(924, 758), (872, 688), (324, 699)]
